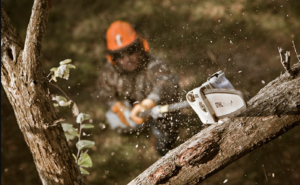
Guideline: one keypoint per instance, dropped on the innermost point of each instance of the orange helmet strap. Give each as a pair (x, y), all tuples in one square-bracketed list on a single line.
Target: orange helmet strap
[(145, 45), (108, 57)]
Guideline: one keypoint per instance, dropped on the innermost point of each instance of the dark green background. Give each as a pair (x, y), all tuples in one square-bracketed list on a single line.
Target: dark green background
[(196, 38)]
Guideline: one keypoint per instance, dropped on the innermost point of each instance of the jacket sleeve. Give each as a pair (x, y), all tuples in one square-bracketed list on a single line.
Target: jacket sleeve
[(107, 85), (164, 82)]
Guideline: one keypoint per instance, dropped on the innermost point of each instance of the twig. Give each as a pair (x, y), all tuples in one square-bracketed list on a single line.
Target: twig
[(55, 122), (50, 74), (79, 132), (285, 61), (61, 91), (298, 56), (265, 172)]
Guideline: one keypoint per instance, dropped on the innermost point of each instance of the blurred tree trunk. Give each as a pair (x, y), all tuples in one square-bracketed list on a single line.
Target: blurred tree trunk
[(272, 112), (26, 87)]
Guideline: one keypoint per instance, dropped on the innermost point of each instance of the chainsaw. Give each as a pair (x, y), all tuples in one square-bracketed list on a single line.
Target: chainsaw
[(213, 100)]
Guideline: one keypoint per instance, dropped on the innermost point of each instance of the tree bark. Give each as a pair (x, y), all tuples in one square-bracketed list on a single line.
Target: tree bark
[(26, 87), (272, 112)]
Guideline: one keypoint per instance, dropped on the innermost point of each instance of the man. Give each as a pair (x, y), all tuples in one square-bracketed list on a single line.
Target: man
[(133, 77)]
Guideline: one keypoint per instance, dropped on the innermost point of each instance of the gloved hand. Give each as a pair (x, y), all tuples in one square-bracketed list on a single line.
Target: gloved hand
[(119, 108), (145, 105)]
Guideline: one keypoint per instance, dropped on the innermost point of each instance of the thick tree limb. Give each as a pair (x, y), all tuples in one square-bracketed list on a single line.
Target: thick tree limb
[(11, 42), (26, 87), (34, 36), (272, 112)]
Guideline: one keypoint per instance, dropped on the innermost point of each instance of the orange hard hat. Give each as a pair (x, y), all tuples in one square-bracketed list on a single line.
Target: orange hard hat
[(119, 35)]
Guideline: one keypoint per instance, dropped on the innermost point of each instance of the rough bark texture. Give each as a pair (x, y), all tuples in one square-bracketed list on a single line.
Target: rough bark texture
[(26, 87), (272, 112)]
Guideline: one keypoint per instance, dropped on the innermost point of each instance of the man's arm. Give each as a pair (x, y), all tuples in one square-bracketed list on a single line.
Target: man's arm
[(165, 85), (164, 82)]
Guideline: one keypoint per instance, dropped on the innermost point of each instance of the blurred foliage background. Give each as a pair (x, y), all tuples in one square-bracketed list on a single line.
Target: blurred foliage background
[(197, 38)]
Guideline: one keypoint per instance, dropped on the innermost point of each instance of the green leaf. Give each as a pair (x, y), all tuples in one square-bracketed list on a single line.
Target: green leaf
[(53, 69), (84, 144), (69, 136), (65, 103), (75, 110), (70, 66), (60, 71), (66, 74), (85, 160), (84, 172), (63, 71), (66, 126), (70, 131), (60, 98), (65, 61), (87, 126), (73, 132), (53, 78), (82, 117)]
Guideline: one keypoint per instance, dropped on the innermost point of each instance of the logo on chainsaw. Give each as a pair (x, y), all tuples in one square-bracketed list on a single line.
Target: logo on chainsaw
[(223, 104)]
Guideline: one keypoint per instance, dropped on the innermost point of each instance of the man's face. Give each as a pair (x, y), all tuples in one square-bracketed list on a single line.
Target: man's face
[(129, 59)]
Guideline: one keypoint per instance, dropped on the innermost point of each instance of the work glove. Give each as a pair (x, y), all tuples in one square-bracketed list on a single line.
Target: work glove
[(119, 108), (141, 107)]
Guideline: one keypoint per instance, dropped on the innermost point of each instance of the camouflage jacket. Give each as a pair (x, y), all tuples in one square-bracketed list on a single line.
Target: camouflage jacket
[(154, 81)]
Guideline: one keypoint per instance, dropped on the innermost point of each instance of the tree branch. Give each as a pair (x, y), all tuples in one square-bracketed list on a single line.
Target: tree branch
[(298, 56), (285, 61), (272, 112), (27, 89), (11, 42), (61, 91), (34, 35)]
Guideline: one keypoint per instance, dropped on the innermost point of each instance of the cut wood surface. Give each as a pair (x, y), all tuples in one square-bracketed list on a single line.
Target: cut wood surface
[(272, 112)]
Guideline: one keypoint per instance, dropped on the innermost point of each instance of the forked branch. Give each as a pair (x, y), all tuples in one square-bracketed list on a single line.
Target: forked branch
[(285, 60)]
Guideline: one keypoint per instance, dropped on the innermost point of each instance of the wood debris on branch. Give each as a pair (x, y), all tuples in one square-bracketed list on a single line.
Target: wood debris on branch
[(272, 112)]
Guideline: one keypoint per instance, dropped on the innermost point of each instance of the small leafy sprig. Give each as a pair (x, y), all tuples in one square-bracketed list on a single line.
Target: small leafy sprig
[(63, 71), (82, 158)]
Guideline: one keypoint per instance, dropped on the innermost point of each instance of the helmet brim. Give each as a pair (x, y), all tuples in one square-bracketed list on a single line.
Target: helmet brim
[(136, 41)]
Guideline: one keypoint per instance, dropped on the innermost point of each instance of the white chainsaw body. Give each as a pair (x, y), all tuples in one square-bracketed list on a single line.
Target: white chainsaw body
[(216, 99)]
